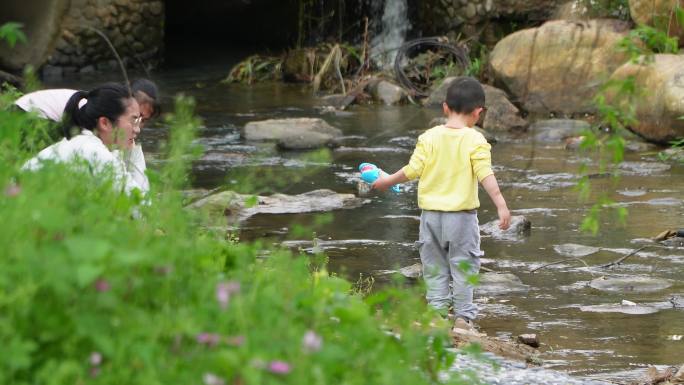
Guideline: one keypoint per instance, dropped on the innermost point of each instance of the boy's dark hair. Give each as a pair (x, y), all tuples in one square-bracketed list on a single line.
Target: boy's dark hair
[(464, 95), (150, 94)]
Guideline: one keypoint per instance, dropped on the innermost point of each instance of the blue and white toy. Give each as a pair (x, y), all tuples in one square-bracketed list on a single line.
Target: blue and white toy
[(370, 173)]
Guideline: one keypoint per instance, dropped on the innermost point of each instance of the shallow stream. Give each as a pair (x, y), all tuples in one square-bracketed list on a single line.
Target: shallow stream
[(537, 180)]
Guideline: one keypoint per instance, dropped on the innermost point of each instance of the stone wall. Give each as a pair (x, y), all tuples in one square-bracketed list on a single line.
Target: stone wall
[(60, 40), (134, 27), (440, 17)]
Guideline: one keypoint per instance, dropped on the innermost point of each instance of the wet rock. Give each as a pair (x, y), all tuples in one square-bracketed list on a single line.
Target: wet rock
[(293, 133), (643, 168), (558, 67), (674, 242), (657, 113), (363, 189), (556, 130), (500, 283), (413, 271), (529, 340), (388, 93), (237, 205), (306, 141), (519, 228), (640, 146), (575, 250), (438, 94), (335, 101), (674, 154), (619, 308), (501, 114), (632, 284)]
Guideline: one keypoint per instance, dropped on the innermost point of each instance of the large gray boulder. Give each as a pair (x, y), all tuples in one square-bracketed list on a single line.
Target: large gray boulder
[(293, 133), (660, 106), (501, 114), (559, 66)]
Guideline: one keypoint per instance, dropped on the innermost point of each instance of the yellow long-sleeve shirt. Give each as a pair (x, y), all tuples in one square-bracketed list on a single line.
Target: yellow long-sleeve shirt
[(449, 163)]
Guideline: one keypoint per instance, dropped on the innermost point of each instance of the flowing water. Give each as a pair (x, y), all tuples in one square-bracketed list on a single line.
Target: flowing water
[(395, 24), (538, 182)]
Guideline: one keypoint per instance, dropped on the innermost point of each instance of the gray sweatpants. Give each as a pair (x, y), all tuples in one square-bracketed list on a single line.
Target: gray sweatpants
[(449, 245)]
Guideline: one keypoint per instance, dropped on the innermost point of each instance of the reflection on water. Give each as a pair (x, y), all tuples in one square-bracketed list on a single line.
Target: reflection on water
[(537, 182)]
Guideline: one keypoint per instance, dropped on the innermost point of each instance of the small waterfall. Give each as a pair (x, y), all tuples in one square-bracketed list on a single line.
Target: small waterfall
[(394, 26)]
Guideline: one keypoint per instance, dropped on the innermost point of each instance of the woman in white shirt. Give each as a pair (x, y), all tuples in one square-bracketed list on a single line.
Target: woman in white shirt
[(100, 125), (50, 104)]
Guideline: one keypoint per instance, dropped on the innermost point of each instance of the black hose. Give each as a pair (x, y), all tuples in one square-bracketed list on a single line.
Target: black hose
[(459, 53)]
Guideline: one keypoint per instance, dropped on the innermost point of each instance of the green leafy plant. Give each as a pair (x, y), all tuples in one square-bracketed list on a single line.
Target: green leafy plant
[(11, 32)]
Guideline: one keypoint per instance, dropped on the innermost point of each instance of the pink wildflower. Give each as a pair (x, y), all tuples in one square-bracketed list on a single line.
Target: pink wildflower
[(102, 285), (12, 190), (312, 342), (208, 339), (224, 290), (279, 367), (212, 379), (95, 358)]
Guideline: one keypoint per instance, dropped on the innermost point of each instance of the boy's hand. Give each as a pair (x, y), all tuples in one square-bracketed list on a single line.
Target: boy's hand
[(504, 218), (381, 184)]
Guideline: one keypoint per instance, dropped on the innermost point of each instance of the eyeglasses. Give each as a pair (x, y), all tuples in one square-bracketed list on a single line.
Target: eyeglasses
[(137, 120)]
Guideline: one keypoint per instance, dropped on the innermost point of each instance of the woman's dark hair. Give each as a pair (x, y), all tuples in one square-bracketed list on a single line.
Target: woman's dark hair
[(108, 100), (150, 94)]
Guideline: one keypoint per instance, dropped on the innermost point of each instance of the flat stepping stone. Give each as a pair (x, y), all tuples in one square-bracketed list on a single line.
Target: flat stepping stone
[(500, 283), (630, 284), (575, 250), (620, 308)]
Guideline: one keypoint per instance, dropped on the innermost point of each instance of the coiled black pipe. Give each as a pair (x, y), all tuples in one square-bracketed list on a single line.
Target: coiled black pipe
[(460, 55)]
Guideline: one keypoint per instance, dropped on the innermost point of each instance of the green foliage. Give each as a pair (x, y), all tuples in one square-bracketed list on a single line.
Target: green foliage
[(645, 41), (606, 8), (255, 68), (97, 288), (11, 33)]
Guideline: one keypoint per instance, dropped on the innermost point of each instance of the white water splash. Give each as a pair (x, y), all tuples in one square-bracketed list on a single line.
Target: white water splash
[(394, 26)]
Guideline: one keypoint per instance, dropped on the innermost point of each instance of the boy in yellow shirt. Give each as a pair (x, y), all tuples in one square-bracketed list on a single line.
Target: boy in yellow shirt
[(449, 160)]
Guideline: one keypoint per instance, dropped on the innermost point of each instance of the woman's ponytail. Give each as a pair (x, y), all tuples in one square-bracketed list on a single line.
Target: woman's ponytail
[(71, 118)]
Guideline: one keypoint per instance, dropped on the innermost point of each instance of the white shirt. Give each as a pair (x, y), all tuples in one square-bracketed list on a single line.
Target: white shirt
[(90, 148), (49, 104)]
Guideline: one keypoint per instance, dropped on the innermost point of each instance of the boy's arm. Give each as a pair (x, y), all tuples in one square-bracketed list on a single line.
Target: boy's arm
[(385, 182), (492, 187)]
